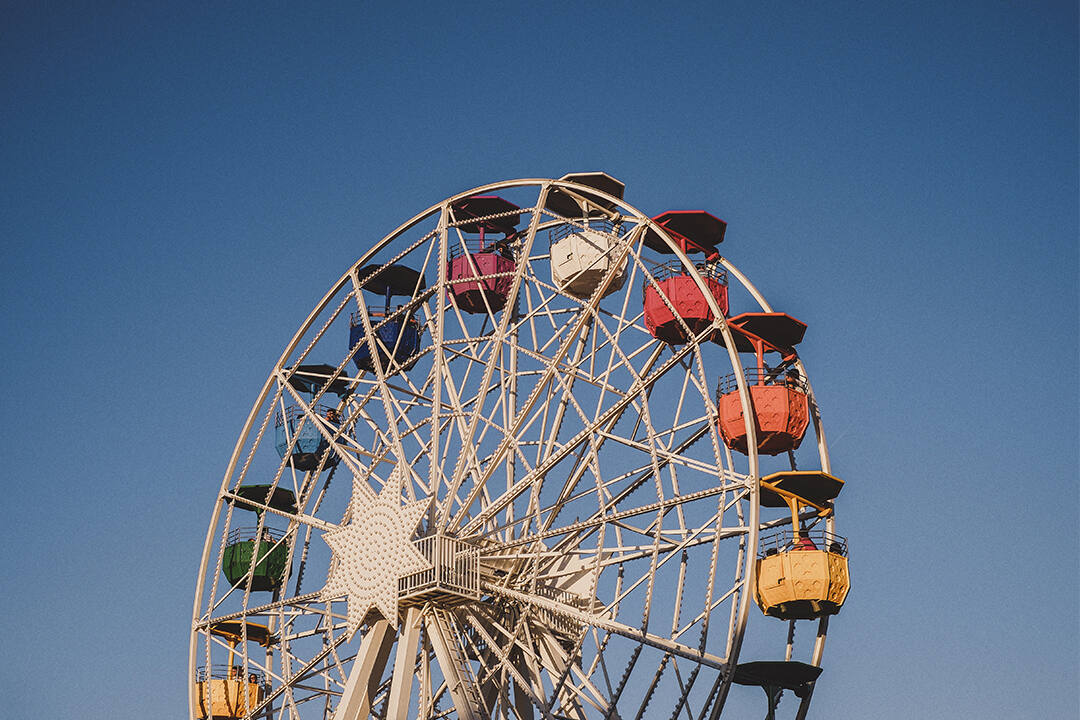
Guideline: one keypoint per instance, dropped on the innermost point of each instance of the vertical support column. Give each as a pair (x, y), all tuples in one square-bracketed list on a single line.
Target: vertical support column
[(397, 707), (366, 672)]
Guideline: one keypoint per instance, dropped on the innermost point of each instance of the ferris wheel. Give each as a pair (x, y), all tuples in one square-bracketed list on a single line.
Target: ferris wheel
[(512, 465)]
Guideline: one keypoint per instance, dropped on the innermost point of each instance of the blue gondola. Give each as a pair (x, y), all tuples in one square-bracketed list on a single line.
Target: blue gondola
[(311, 446), (397, 332)]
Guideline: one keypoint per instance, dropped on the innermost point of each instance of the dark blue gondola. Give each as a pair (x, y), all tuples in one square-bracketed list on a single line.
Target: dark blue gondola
[(397, 333)]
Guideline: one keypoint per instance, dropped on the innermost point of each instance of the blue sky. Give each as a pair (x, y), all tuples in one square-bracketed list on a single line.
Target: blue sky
[(181, 183)]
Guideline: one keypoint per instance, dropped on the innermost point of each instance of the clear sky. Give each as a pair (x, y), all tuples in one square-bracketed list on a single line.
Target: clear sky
[(181, 182)]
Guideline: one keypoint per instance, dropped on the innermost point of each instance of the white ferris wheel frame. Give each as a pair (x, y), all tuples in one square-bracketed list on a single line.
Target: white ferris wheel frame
[(356, 695)]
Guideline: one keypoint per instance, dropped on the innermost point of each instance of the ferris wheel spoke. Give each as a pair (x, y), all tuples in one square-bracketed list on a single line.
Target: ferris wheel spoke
[(292, 696), (612, 626), (565, 398), (669, 455), (481, 627), (300, 602), (533, 668), (599, 665), (409, 395), (667, 438), (561, 666), (621, 554), (528, 682), (466, 433), (489, 370), (528, 317), (627, 672), (544, 382), (542, 310), (617, 361), (435, 378), (428, 450), (301, 518), (572, 370), (469, 361), (525, 483), (703, 616), (305, 670), (467, 454), (617, 355), (557, 655), (596, 439), (601, 518), (383, 391), (358, 410)]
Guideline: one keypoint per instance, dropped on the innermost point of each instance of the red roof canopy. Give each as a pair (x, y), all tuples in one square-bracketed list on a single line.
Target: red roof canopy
[(693, 230), (780, 331), (479, 206), (777, 329)]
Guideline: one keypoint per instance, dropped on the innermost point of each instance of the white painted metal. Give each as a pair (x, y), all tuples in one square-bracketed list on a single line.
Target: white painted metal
[(544, 494), (397, 707), (455, 667), (363, 678)]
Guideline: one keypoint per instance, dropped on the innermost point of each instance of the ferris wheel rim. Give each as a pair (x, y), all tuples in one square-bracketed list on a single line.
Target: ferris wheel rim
[(545, 184)]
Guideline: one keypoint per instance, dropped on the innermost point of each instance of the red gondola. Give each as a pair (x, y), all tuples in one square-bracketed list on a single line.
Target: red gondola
[(778, 395), (675, 307), (481, 279)]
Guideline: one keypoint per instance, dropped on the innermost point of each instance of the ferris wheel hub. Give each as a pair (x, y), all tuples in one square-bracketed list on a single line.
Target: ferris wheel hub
[(373, 550)]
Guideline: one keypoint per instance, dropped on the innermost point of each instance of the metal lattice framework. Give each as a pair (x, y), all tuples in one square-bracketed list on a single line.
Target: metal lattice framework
[(542, 489)]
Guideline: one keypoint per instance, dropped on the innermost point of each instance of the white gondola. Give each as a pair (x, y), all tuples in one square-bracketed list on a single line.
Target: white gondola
[(581, 259)]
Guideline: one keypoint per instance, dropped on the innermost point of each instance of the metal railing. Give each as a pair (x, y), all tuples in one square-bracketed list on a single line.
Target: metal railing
[(378, 316), (675, 268), (294, 413), (239, 535), (557, 621), (566, 229), (494, 247), (814, 539), (754, 376), (455, 568), (223, 671)]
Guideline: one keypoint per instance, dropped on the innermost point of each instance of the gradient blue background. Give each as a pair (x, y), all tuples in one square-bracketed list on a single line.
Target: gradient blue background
[(180, 183)]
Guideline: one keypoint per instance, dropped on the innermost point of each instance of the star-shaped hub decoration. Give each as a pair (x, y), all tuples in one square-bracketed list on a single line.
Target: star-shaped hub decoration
[(374, 550)]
